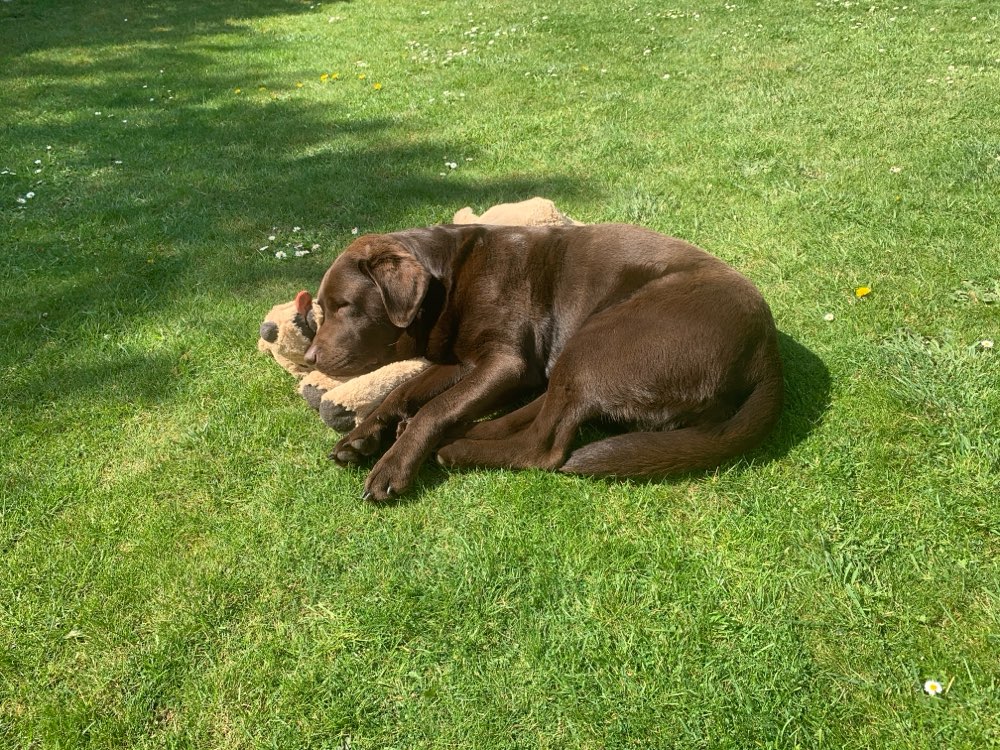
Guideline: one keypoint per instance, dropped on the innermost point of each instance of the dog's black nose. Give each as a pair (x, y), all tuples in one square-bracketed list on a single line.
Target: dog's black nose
[(269, 331)]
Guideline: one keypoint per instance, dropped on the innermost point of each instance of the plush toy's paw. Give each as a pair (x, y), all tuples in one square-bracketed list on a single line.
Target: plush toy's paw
[(314, 386), (312, 394), (336, 416)]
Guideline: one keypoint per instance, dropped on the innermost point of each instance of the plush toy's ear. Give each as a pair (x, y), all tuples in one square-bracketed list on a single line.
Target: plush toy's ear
[(303, 303), (401, 280)]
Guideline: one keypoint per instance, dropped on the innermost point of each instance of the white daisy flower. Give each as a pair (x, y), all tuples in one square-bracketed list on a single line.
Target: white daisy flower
[(933, 687), (281, 255)]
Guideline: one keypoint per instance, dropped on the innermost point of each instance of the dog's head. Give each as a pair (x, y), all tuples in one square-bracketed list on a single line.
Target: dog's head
[(369, 296)]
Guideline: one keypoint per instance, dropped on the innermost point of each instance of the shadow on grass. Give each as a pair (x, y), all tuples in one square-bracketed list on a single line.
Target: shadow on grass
[(32, 27), (163, 184), (807, 398)]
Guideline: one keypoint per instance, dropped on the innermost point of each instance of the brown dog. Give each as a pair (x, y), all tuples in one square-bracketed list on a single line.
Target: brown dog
[(615, 322)]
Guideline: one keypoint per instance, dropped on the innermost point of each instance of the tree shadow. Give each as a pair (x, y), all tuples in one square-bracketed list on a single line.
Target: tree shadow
[(163, 184), (29, 27)]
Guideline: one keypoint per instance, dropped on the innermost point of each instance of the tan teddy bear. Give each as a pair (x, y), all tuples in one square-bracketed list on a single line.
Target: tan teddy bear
[(287, 332)]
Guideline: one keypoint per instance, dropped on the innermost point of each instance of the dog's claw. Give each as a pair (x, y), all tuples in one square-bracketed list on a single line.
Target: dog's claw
[(366, 495)]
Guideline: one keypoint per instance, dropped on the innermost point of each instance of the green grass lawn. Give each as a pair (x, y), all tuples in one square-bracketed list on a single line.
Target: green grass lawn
[(183, 567)]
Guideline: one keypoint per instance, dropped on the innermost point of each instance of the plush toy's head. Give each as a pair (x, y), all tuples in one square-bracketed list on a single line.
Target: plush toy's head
[(535, 212), (288, 330)]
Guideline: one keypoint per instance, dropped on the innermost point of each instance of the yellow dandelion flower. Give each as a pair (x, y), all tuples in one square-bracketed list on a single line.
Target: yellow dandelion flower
[(862, 291), (361, 76), (335, 77), (377, 86), (299, 85), (237, 91), (324, 77)]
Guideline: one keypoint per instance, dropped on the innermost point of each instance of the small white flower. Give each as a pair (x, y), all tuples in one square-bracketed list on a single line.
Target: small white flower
[(48, 148), (300, 253), (271, 238), (354, 231), (986, 343), (933, 687), (895, 170), (29, 195), (451, 165), (38, 161), (97, 114), (316, 246), (281, 255), (828, 317), (296, 229), (38, 171), (118, 161), (22, 201)]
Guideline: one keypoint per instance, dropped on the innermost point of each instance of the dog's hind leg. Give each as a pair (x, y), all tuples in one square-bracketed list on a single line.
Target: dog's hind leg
[(538, 436), (505, 426)]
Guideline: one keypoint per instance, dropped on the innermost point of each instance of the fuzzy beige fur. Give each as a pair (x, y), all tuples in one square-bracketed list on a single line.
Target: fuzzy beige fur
[(534, 212)]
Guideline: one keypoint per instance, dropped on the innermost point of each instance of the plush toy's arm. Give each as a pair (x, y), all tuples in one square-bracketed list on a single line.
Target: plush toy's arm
[(359, 396)]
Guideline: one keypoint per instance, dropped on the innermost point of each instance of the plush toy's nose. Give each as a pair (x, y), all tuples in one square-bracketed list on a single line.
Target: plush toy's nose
[(310, 355)]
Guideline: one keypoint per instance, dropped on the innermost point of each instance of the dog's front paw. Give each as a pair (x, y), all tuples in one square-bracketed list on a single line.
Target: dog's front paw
[(358, 445), (386, 481)]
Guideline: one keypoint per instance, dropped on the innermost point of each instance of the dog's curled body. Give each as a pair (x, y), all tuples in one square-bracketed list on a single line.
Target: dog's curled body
[(614, 322)]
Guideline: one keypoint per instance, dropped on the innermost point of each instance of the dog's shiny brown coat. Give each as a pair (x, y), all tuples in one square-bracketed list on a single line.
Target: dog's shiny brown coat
[(615, 322)]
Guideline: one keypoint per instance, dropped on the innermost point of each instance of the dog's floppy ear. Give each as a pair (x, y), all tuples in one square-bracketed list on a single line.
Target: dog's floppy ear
[(401, 280)]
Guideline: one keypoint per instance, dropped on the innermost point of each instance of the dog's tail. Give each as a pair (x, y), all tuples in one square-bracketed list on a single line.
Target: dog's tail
[(657, 454)]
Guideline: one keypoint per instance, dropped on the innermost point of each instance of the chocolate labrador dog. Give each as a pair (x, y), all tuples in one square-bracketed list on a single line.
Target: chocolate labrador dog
[(614, 322)]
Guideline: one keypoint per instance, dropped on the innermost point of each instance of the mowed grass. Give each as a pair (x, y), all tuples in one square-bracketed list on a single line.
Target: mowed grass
[(183, 567)]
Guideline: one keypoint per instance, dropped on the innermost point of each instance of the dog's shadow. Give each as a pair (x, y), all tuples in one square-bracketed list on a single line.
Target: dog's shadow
[(807, 399)]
